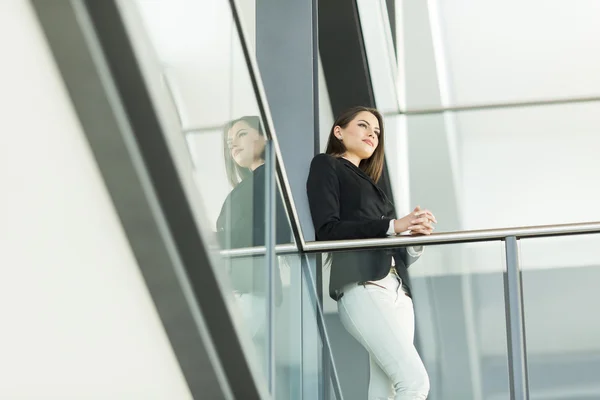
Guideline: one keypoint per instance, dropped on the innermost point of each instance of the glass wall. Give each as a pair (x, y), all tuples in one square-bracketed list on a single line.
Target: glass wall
[(478, 156), (193, 58), (507, 167), (560, 299)]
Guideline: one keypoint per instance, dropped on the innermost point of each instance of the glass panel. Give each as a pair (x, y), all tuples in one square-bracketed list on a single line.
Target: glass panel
[(434, 169), (458, 297), (507, 167), (561, 299), (248, 276), (312, 345), (500, 50), (201, 69), (288, 330)]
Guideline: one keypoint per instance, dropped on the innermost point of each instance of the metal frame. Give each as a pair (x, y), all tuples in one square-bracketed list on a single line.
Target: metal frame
[(497, 106), (515, 323)]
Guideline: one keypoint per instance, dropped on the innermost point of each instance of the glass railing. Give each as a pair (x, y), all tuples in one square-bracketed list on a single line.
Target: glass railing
[(303, 365), (497, 313), (446, 327), (560, 300)]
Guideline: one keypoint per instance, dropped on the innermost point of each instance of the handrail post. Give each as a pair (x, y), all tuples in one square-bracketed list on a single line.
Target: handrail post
[(270, 260), (515, 323)]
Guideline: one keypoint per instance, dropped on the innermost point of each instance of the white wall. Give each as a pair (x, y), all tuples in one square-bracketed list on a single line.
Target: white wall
[(77, 320)]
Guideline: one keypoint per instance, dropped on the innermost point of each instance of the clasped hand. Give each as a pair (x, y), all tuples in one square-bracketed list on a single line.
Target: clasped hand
[(418, 222)]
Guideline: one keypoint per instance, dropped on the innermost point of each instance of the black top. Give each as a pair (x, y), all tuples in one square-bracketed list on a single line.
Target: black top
[(242, 223), (345, 203)]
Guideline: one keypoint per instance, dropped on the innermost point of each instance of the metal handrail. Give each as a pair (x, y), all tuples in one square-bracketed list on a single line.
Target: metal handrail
[(483, 235)]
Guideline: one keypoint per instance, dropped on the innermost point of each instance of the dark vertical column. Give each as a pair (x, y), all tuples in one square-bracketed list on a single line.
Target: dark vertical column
[(287, 60), (344, 60), (515, 323), (343, 55)]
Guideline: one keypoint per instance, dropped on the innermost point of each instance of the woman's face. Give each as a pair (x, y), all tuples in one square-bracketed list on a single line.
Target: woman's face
[(360, 136), (246, 145)]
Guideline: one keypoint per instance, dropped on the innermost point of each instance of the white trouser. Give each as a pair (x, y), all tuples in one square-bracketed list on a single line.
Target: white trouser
[(254, 310), (254, 313), (382, 320)]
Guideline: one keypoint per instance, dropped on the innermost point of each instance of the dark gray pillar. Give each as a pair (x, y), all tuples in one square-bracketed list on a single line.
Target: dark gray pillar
[(286, 54)]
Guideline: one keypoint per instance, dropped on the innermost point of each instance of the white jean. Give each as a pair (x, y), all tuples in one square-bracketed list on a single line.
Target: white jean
[(254, 313), (382, 320)]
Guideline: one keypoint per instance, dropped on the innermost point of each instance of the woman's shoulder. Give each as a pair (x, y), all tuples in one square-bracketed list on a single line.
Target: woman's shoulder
[(324, 160), (237, 198)]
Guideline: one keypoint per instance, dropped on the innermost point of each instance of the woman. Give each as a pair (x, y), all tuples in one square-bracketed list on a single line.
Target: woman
[(371, 287), (241, 222)]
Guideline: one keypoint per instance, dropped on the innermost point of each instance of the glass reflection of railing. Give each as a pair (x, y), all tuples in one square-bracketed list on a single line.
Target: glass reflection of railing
[(513, 290)]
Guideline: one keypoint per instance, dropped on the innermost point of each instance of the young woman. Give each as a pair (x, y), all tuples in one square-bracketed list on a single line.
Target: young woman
[(241, 222), (371, 287)]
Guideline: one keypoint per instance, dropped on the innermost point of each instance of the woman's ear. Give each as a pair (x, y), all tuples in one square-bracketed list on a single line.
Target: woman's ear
[(337, 131)]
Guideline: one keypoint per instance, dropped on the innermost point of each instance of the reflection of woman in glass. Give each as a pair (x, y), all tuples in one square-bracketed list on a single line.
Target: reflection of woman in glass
[(242, 220), (371, 287)]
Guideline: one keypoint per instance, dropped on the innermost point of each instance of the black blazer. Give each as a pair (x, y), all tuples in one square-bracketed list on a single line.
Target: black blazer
[(241, 223), (345, 203)]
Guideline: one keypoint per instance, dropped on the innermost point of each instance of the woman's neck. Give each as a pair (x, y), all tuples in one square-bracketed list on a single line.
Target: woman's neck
[(256, 164), (354, 159)]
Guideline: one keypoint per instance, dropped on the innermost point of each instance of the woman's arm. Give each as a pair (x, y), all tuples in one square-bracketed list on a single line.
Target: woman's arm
[(323, 191)]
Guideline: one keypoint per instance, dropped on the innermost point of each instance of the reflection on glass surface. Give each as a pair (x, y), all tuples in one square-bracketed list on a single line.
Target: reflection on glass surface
[(241, 221), (459, 316), (208, 84), (252, 312), (562, 329), (507, 167)]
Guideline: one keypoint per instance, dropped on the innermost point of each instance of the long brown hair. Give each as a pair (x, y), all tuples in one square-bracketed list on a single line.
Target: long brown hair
[(235, 173), (372, 166)]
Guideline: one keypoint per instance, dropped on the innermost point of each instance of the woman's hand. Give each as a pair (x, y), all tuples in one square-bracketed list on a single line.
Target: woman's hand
[(418, 222)]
